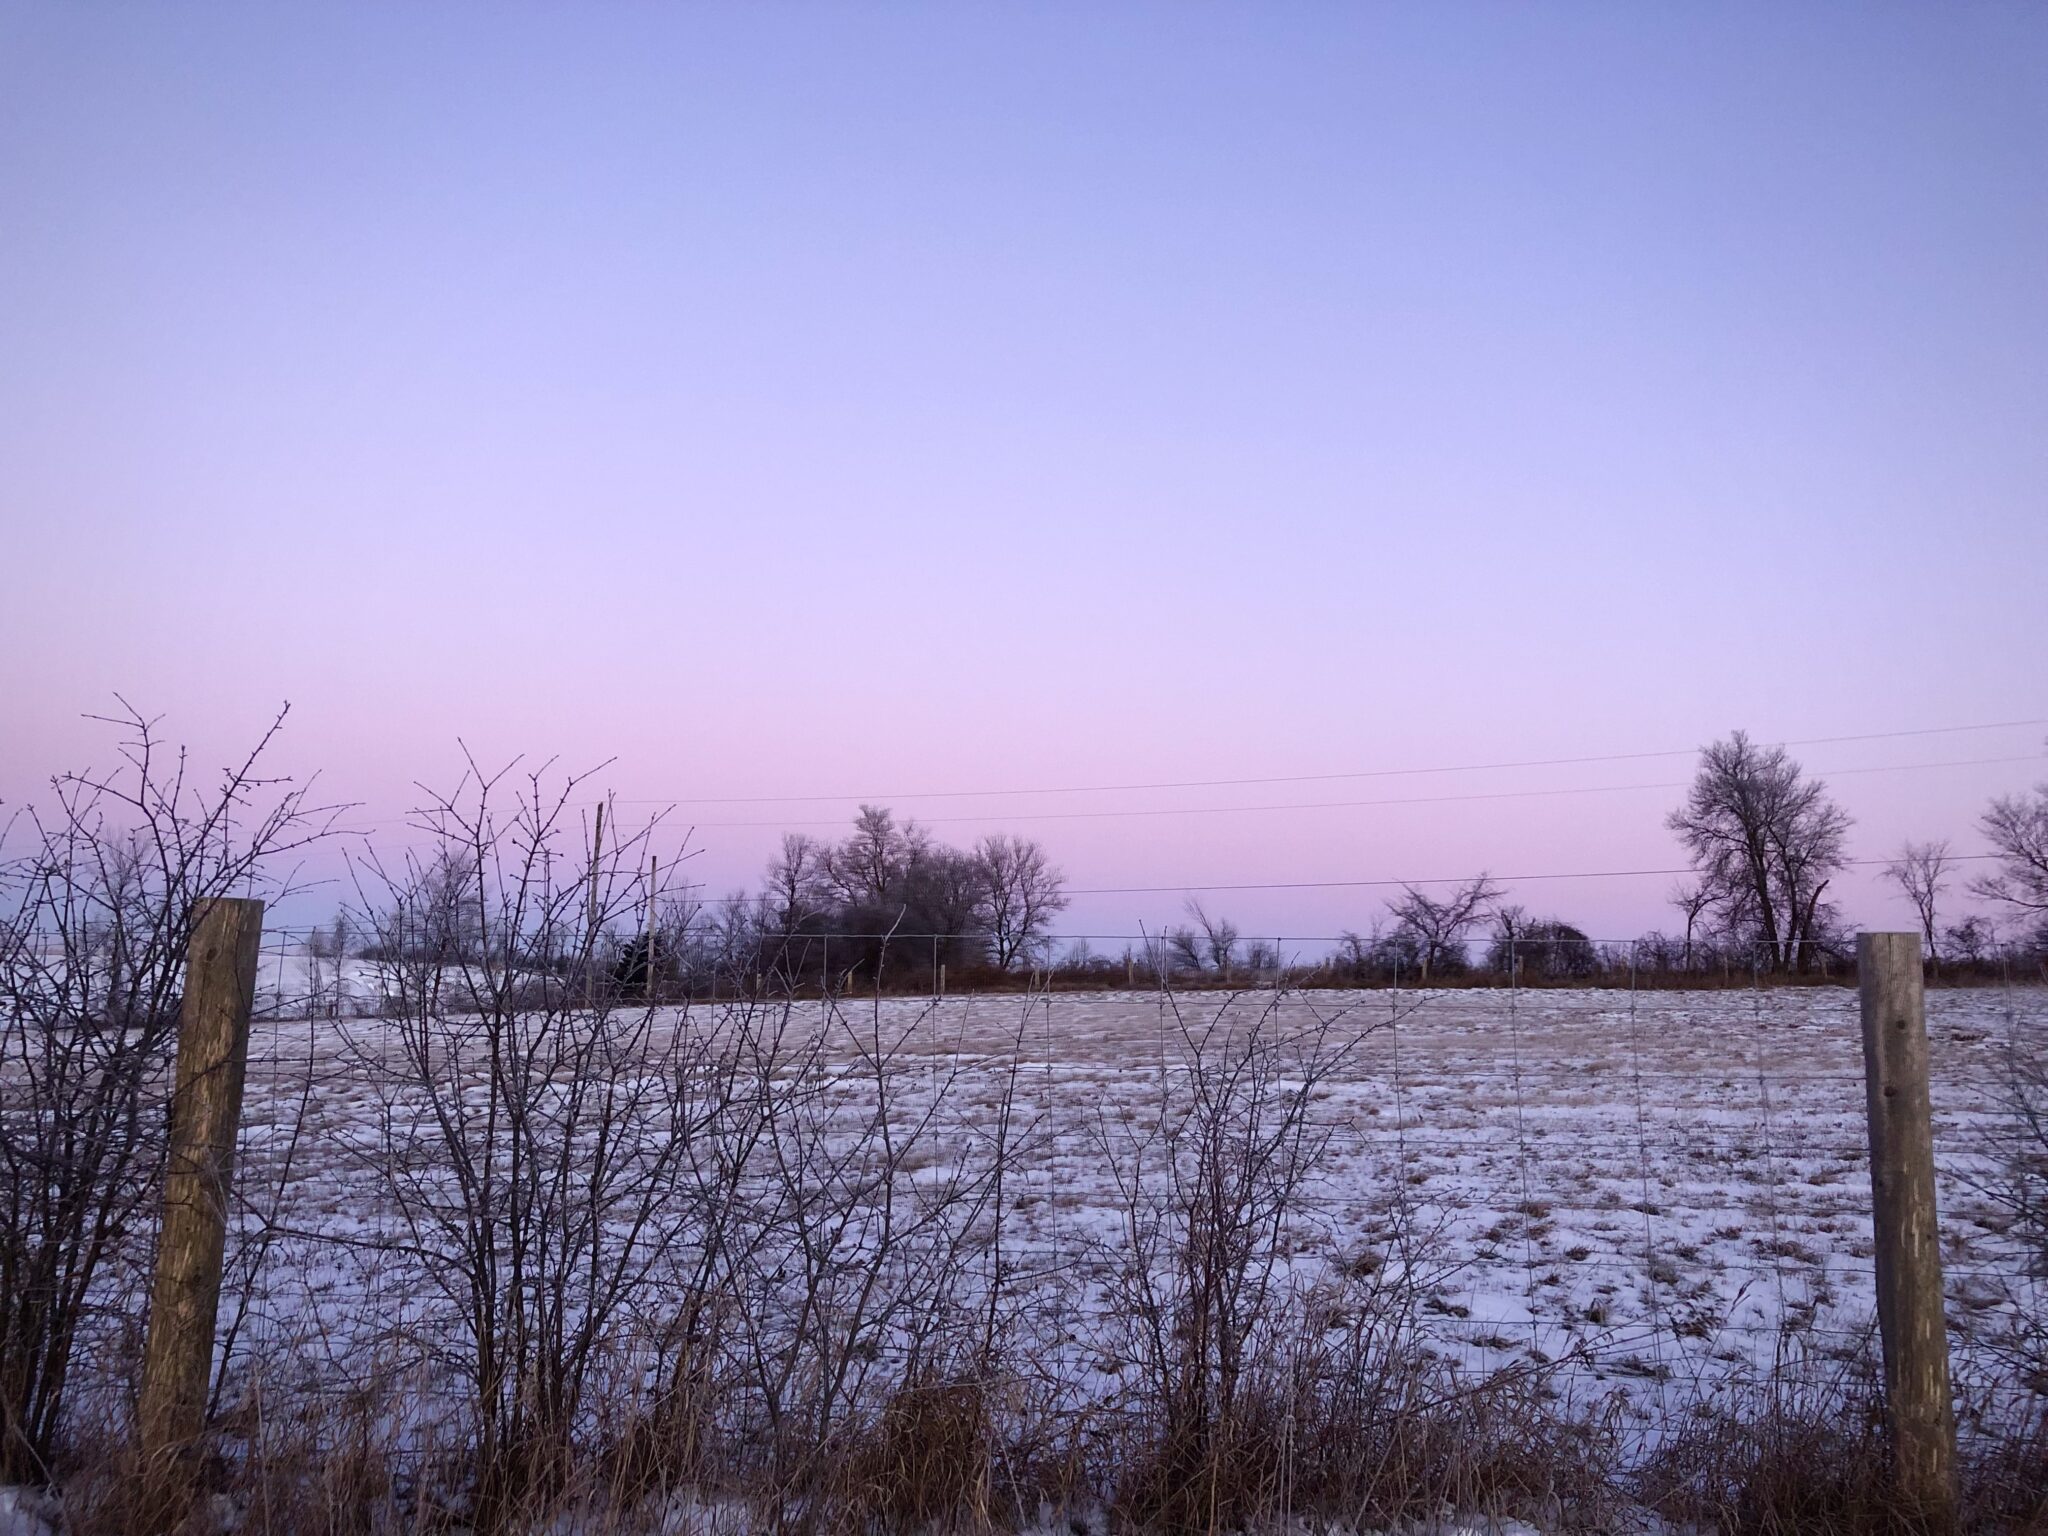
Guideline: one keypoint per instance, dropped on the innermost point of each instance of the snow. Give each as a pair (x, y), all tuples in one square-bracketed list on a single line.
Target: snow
[(27, 1512), (1665, 1191)]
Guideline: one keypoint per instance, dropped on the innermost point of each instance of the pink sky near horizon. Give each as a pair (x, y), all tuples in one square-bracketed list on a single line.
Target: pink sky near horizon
[(876, 400)]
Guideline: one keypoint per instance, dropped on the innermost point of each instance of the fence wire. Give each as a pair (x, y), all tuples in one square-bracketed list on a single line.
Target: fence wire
[(1648, 1193)]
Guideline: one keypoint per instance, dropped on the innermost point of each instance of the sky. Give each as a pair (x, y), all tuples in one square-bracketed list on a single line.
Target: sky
[(882, 401)]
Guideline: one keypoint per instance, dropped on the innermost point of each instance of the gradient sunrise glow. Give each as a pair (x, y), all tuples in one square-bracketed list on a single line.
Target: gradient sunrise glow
[(886, 400)]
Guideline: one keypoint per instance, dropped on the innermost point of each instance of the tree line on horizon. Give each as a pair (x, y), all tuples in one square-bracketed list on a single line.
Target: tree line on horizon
[(1766, 842)]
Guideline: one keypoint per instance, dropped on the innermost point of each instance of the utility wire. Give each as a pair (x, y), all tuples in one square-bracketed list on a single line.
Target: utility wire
[(411, 819), (1319, 778), (1339, 805), (1263, 885), (1330, 885)]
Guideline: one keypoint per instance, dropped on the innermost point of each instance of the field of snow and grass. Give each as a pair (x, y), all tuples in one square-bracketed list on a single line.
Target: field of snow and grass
[(1659, 1192)]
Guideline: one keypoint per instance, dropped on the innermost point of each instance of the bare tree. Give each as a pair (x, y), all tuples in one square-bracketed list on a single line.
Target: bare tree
[(1766, 840), (898, 895), (440, 914), (890, 879), (944, 895), (1694, 900), (1510, 920), (1022, 894), (1921, 871), (96, 904), (796, 907), (1180, 948), (1219, 938), (2016, 826), (729, 941), (867, 870), (1969, 942), (799, 889), (1439, 925), (1262, 955), (1545, 947)]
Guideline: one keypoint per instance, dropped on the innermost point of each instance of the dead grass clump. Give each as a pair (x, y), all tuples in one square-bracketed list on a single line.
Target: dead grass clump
[(113, 1492), (1416, 1438), (342, 1490), (1201, 1478), (1372, 1433), (1797, 1458), (676, 1443), (2005, 1478), (923, 1463)]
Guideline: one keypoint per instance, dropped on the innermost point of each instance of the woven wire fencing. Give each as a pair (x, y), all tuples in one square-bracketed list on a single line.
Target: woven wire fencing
[(1638, 1201)]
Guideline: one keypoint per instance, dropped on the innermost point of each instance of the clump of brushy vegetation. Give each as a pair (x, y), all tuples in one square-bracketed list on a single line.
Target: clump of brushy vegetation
[(1789, 1457), (1806, 1455)]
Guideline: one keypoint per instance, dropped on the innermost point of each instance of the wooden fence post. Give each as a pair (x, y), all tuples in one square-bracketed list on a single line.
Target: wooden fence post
[(1909, 1291), (206, 1109)]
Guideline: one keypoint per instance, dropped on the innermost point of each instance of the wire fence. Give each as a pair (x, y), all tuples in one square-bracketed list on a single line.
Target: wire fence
[(693, 960), (1651, 1194)]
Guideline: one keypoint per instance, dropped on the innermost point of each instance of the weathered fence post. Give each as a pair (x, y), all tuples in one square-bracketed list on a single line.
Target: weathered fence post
[(1909, 1291), (206, 1108)]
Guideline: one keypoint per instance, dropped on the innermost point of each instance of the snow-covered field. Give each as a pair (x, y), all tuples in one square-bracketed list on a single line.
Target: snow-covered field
[(1664, 1191)]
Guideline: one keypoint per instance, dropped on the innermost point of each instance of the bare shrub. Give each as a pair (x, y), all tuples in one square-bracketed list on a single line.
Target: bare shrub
[(1267, 1373), (754, 1247), (97, 895), (2015, 1189), (1210, 1194), (533, 1124), (861, 1240)]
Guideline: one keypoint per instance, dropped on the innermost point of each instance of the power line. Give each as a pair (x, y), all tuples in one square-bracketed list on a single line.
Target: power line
[(1300, 805), (1318, 778), (1331, 885), (1338, 805), (745, 899), (410, 818)]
